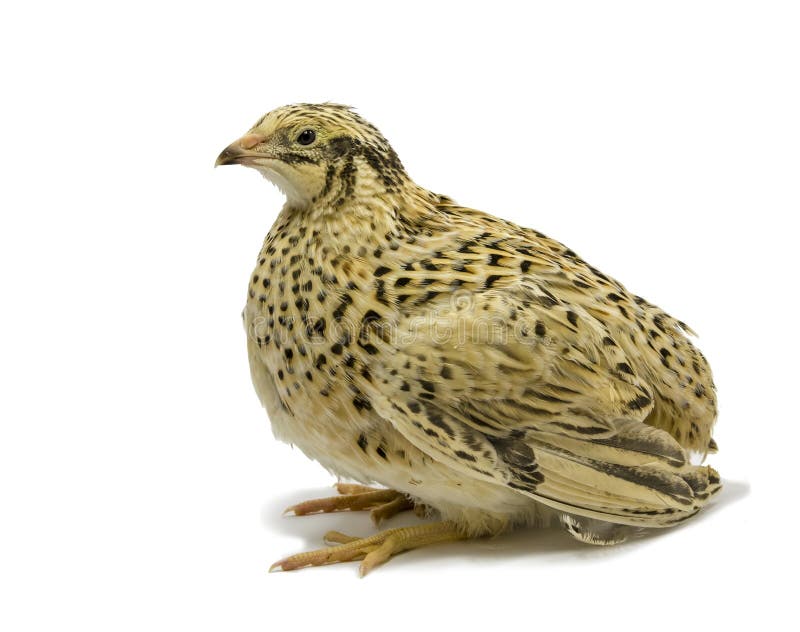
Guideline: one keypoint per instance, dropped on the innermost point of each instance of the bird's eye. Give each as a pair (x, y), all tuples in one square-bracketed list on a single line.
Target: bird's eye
[(306, 137)]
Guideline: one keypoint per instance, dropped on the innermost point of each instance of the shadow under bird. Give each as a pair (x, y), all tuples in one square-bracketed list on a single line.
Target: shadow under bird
[(480, 371)]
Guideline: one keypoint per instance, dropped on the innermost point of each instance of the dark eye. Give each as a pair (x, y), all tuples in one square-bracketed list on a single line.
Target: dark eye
[(307, 136)]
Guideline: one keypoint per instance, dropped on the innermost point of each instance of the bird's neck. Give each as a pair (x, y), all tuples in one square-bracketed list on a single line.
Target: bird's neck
[(368, 216)]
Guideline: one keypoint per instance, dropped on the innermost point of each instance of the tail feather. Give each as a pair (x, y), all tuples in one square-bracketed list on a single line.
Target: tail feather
[(640, 476)]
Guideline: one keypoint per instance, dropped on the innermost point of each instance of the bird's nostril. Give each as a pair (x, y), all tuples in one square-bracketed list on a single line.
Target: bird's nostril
[(251, 140)]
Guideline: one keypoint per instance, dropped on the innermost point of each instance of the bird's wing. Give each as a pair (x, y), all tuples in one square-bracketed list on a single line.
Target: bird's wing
[(515, 388)]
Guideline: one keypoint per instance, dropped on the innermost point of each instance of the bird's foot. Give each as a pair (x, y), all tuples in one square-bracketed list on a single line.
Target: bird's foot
[(373, 550), (381, 503)]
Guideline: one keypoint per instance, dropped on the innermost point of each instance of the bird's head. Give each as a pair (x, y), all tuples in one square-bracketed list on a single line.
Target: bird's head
[(318, 154)]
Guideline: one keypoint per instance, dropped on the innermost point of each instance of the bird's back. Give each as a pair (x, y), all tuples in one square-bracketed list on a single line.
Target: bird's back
[(490, 254)]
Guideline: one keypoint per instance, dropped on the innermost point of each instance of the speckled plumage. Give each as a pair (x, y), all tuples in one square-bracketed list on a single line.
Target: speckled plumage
[(479, 367)]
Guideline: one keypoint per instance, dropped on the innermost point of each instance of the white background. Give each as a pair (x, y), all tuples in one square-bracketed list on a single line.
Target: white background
[(140, 486)]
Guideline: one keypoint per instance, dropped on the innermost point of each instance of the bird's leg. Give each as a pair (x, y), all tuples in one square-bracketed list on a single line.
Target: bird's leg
[(373, 550), (381, 503)]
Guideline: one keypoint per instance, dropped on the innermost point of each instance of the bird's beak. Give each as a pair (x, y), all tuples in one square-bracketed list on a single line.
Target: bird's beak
[(240, 151)]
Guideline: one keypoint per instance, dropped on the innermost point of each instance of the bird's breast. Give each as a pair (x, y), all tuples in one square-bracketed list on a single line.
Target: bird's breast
[(307, 317)]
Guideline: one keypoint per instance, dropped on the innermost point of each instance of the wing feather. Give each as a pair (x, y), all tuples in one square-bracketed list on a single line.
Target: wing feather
[(539, 403)]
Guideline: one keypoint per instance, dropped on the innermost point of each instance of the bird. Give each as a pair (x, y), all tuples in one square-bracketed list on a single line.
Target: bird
[(455, 363)]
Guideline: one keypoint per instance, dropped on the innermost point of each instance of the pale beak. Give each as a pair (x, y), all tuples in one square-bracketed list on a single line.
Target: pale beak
[(240, 151)]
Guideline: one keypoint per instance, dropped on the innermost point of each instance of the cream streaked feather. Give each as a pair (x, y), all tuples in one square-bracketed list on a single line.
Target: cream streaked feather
[(478, 367)]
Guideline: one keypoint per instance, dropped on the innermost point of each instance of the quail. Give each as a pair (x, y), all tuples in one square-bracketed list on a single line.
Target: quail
[(478, 371)]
